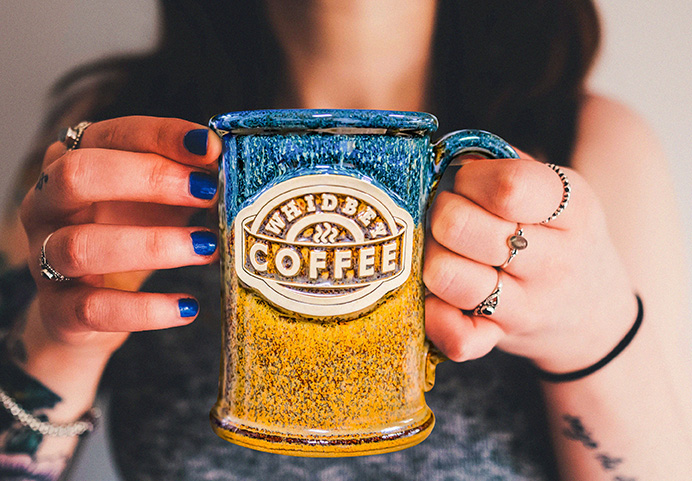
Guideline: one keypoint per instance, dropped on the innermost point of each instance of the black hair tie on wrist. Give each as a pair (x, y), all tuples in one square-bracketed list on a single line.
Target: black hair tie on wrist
[(581, 373)]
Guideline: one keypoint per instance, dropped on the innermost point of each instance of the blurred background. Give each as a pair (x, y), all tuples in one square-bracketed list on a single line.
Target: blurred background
[(645, 63)]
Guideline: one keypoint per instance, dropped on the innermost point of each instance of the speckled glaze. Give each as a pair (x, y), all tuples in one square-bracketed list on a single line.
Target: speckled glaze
[(321, 217)]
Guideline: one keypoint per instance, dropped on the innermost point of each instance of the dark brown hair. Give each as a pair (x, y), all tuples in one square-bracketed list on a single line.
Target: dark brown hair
[(514, 68)]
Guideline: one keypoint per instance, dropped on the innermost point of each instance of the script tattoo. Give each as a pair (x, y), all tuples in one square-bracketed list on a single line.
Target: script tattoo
[(607, 462), (42, 179), (576, 431)]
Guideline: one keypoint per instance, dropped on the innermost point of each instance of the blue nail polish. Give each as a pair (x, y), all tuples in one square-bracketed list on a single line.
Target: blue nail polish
[(196, 141), (189, 307), (203, 242), (202, 186)]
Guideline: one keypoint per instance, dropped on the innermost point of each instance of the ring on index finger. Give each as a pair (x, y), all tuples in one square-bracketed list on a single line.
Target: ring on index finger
[(47, 270), (566, 192), (71, 136)]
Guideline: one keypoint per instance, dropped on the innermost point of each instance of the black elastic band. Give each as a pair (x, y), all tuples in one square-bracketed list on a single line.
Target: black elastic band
[(574, 375)]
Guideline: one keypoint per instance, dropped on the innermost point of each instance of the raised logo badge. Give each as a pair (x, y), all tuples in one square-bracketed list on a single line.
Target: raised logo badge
[(323, 245)]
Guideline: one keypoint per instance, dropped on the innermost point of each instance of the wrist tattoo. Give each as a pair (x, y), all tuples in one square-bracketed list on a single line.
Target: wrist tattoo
[(42, 179), (608, 463), (20, 457), (576, 431)]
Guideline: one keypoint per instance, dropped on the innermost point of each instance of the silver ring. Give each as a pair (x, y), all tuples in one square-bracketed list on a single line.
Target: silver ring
[(489, 304), (566, 192), (516, 242), (47, 270), (71, 136)]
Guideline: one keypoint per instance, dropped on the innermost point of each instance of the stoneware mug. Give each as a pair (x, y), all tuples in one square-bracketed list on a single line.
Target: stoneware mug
[(322, 219)]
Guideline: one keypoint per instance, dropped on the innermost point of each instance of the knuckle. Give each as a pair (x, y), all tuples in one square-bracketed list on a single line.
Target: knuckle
[(107, 135), (456, 348), (448, 223), (149, 311), (71, 172), (437, 276), (154, 243), (509, 189), (75, 251), (161, 137), (53, 152), (156, 179), (86, 310)]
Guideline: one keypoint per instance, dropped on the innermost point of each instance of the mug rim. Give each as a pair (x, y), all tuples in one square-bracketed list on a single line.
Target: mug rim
[(326, 120)]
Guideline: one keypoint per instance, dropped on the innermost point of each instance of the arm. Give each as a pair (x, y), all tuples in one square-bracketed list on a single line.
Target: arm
[(631, 420), (568, 299), (117, 208), (33, 377)]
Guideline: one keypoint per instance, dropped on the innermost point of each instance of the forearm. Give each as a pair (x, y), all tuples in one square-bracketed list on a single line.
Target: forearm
[(52, 382), (624, 422)]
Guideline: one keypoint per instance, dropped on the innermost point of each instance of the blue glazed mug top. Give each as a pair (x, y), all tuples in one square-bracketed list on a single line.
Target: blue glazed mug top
[(414, 123)]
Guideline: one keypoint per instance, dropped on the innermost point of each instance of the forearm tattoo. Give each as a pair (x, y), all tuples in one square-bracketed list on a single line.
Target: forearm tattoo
[(21, 458), (576, 431)]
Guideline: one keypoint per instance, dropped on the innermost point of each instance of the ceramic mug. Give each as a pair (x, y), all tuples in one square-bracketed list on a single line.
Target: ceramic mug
[(321, 219)]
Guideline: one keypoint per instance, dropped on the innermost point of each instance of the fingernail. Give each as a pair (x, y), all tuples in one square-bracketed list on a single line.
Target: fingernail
[(203, 242), (188, 307), (202, 186), (196, 141)]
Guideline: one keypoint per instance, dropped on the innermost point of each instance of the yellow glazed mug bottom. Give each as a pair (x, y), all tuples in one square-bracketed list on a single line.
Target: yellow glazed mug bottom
[(356, 444)]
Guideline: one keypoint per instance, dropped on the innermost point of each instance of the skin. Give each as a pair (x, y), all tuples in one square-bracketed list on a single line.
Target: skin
[(567, 299)]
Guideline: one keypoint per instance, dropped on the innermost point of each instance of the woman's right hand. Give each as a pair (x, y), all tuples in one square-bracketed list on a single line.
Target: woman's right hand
[(119, 203)]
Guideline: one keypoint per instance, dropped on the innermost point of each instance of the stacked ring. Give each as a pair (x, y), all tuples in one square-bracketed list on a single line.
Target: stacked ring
[(566, 192), (71, 136), (489, 304), (516, 242), (47, 270)]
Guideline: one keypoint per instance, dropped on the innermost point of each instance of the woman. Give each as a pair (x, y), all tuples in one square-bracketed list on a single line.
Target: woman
[(118, 207)]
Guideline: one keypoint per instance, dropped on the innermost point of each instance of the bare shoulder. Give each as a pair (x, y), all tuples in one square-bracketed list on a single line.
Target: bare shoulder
[(621, 158), (619, 155), (614, 139)]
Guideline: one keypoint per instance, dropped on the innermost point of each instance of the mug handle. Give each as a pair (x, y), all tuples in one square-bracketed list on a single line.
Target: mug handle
[(465, 142), (444, 150)]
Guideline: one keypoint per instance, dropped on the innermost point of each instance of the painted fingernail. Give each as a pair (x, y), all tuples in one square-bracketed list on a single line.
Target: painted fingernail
[(196, 141), (189, 307), (203, 242), (202, 186)]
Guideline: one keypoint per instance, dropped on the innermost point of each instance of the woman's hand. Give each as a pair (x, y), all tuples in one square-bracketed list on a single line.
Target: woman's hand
[(566, 299), (119, 204)]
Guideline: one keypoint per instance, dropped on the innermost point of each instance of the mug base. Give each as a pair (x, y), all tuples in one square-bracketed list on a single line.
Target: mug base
[(364, 444)]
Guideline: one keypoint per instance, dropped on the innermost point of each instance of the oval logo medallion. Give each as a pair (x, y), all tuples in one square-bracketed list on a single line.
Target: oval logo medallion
[(323, 245)]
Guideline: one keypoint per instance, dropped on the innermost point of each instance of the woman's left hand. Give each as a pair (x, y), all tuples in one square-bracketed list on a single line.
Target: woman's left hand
[(566, 300)]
